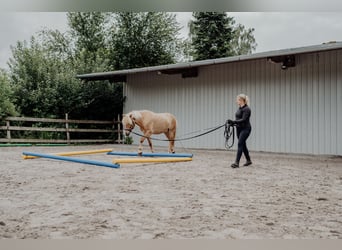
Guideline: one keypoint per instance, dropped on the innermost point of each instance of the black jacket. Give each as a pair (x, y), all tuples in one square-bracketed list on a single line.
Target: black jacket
[(242, 116)]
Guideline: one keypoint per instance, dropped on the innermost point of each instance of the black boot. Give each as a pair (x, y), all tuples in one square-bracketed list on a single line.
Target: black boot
[(235, 165), (247, 163)]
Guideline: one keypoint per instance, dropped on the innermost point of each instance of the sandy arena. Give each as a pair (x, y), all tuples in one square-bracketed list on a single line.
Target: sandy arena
[(279, 197)]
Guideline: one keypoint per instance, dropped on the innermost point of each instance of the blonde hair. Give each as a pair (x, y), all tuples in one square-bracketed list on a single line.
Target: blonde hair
[(244, 97)]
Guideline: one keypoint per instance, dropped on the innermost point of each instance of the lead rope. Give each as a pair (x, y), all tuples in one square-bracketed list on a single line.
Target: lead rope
[(181, 139), (229, 131)]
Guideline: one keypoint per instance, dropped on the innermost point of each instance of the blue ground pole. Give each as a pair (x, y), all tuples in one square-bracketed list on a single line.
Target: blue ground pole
[(73, 159)]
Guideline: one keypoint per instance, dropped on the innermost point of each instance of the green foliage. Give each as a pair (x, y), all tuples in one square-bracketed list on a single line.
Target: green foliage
[(7, 107), (243, 42), (145, 39), (211, 34), (43, 72), (128, 140), (88, 30), (44, 85), (215, 35), (88, 34)]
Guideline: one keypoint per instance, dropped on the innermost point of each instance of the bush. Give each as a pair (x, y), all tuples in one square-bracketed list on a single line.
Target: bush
[(128, 140)]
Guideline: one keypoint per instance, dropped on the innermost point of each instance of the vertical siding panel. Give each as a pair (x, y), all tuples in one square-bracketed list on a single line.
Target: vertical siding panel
[(210, 98), (288, 116), (262, 116), (315, 87), (252, 95), (307, 82), (204, 104), (297, 106), (228, 91), (282, 115), (187, 110), (255, 107), (234, 73), (209, 113), (310, 89), (278, 109), (224, 92), (295, 79), (187, 125), (257, 129), (268, 103), (333, 101), (261, 119), (262, 128), (213, 101), (327, 100), (303, 109), (223, 103), (321, 102), (339, 102), (272, 115)]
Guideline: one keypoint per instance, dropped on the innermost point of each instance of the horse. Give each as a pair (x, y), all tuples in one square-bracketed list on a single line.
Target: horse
[(151, 123)]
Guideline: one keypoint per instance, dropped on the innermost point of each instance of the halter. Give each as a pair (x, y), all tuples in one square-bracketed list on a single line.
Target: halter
[(131, 127)]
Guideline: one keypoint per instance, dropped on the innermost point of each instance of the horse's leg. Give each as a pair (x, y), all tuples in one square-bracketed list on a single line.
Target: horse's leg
[(150, 143), (171, 136), (142, 139)]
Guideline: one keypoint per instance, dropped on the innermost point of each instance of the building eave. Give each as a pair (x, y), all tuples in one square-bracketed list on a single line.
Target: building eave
[(120, 75)]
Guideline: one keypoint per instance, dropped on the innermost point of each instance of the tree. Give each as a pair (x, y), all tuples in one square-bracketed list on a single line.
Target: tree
[(211, 34), (92, 50), (43, 71), (88, 36), (215, 35), (44, 85), (7, 107), (145, 39), (243, 42)]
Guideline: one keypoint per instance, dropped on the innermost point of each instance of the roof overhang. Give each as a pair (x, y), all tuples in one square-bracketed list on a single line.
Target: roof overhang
[(190, 69)]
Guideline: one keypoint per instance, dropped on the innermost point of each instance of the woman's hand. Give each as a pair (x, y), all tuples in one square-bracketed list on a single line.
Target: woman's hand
[(230, 122)]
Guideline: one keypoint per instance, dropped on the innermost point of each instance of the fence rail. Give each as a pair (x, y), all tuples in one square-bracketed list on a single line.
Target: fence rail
[(116, 128)]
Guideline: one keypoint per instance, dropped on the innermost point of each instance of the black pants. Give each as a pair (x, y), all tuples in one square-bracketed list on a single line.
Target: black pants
[(242, 134)]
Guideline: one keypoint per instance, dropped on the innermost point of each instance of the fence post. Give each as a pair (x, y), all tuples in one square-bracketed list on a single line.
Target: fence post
[(8, 130), (119, 130), (67, 128)]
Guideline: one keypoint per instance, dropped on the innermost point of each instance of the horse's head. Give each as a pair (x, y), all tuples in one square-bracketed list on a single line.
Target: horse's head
[(128, 122)]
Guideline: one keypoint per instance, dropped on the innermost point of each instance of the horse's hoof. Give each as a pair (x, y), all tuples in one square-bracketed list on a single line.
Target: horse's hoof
[(139, 153)]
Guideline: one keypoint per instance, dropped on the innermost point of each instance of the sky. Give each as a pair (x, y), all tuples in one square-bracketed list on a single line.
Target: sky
[(273, 30)]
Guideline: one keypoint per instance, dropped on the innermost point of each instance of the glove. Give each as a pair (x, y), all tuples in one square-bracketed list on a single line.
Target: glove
[(230, 122)]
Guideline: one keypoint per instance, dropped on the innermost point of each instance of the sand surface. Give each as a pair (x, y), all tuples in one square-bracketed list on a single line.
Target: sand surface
[(279, 197)]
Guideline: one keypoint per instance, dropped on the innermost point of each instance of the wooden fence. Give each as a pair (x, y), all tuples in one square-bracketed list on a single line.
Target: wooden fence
[(67, 129)]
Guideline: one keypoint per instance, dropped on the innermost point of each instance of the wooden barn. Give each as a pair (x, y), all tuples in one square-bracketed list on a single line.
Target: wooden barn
[(295, 97)]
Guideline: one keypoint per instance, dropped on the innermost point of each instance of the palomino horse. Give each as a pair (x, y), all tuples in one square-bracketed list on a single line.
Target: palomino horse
[(151, 123)]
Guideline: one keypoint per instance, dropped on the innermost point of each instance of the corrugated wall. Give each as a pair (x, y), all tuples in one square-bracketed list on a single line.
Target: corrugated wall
[(298, 110)]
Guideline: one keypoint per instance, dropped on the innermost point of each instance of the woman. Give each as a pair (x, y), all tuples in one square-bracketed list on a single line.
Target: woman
[(243, 129)]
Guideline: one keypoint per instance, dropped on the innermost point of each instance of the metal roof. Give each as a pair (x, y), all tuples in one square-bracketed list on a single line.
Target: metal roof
[(120, 75)]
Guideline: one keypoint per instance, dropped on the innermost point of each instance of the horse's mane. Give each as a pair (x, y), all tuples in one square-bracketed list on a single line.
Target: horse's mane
[(136, 114)]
